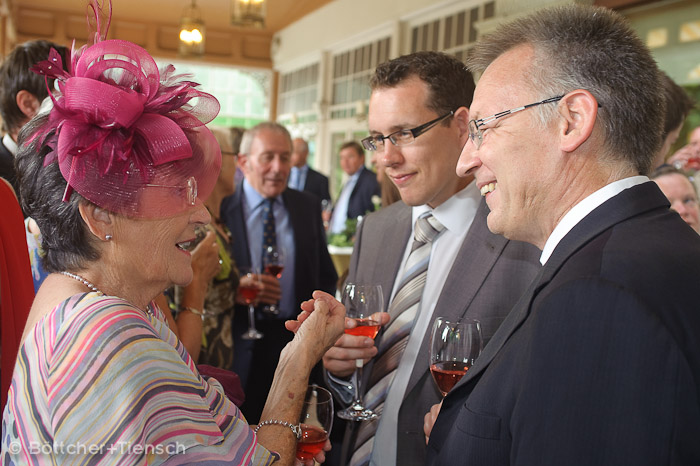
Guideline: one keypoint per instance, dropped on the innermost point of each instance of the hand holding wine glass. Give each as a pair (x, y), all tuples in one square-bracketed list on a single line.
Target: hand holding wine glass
[(454, 346), (361, 302)]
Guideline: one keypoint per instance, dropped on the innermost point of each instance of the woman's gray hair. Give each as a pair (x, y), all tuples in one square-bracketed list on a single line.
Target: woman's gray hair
[(66, 240), (591, 48)]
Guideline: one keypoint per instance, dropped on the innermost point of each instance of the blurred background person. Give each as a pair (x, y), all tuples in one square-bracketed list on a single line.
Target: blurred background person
[(205, 307), (355, 197), (304, 178), (21, 94), (678, 105), (680, 192), (688, 157), (292, 219)]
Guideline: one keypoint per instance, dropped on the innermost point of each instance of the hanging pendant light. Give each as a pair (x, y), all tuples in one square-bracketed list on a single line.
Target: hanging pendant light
[(192, 31), (248, 13)]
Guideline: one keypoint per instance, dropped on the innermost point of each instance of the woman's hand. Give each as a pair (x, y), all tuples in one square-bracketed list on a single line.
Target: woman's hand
[(319, 458), (320, 323), (205, 260)]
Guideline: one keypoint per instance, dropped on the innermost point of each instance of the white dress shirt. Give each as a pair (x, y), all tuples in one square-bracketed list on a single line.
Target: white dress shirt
[(297, 177), (340, 211), (457, 214), (583, 208)]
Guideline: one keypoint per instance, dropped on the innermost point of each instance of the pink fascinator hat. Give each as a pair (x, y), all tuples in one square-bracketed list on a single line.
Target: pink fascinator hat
[(127, 136)]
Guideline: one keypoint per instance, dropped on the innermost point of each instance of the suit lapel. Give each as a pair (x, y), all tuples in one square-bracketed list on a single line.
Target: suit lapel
[(629, 203), (232, 215), (478, 254)]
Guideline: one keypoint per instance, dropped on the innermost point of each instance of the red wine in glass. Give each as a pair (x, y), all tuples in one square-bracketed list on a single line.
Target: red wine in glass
[(248, 293), (311, 443), (454, 346), (274, 270), (249, 288), (365, 328), (447, 373), (316, 422)]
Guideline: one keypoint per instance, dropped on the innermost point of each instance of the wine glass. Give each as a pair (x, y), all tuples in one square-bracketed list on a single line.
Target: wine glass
[(326, 212), (316, 422), (454, 346), (249, 287), (273, 264), (361, 302)]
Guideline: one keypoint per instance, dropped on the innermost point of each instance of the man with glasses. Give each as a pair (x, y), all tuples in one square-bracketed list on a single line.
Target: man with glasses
[(418, 116), (262, 203), (599, 362)]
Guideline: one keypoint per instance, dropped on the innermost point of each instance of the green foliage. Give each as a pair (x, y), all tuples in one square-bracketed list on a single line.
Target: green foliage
[(347, 237)]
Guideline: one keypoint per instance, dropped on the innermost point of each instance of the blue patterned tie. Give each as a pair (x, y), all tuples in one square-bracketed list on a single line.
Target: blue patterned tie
[(403, 310), (269, 232)]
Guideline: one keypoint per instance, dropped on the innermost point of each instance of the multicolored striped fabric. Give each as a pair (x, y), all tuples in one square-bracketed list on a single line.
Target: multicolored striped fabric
[(100, 382)]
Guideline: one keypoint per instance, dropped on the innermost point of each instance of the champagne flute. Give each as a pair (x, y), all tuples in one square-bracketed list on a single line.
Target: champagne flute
[(273, 264), (454, 346), (361, 302), (316, 422), (249, 287)]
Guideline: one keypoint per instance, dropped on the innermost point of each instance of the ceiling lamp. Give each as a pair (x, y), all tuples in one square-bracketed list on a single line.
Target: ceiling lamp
[(191, 31), (248, 13)]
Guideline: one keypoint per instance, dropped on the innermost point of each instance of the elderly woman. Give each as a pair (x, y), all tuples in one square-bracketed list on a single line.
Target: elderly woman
[(113, 176)]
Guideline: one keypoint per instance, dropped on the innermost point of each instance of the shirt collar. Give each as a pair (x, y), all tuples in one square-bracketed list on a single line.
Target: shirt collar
[(583, 208), (252, 198), (453, 212), (10, 144)]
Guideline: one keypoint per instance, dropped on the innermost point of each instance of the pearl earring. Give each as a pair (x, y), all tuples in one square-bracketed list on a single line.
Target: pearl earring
[(108, 237)]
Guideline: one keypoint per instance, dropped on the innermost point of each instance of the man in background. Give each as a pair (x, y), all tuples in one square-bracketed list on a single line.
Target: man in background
[(678, 105), (418, 116), (355, 198), (291, 221), (304, 178), (680, 193), (21, 94)]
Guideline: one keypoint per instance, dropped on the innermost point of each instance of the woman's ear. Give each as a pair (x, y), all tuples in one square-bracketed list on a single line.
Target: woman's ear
[(98, 220)]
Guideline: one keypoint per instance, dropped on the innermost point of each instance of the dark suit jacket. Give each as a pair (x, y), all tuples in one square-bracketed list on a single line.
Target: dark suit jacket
[(314, 270), (599, 362), (7, 167), (487, 278), (317, 184), (361, 197)]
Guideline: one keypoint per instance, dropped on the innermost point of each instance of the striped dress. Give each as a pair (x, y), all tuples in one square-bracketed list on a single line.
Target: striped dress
[(99, 382)]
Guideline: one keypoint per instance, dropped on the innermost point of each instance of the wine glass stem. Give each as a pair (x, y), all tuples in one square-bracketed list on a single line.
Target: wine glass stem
[(357, 376), (251, 316)]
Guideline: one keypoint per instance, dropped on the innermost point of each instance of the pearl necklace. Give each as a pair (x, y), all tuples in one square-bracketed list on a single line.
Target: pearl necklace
[(93, 287), (83, 281)]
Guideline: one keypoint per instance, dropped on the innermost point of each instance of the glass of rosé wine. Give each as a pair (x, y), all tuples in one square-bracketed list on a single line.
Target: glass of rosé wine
[(361, 303), (273, 264), (316, 422), (249, 287), (454, 346)]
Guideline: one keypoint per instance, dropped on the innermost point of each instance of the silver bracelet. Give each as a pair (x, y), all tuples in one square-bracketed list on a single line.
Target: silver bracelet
[(295, 428), (194, 311)]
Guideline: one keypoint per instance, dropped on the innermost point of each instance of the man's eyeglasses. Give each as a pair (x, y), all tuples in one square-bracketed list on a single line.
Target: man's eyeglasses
[(190, 189), (402, 136), (476, 134)]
